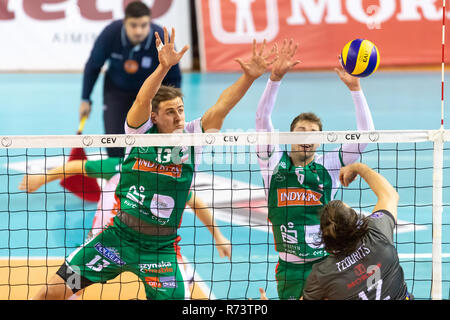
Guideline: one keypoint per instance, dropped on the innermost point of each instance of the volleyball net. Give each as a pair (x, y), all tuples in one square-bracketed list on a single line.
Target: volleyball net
[(39, 229)]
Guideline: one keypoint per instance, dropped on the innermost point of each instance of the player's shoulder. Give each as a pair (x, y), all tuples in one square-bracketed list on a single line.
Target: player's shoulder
[(381, 214), (111, 33), (114, 26)]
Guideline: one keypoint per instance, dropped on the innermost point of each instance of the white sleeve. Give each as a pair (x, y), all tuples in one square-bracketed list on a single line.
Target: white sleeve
[(264, 115), (268, 155), (194, 126), (142, 129), (364, 122)]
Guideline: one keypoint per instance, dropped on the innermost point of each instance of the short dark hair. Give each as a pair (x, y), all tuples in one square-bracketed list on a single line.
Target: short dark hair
[(341, 228), (306, 116), (137, 9), (165, 93)]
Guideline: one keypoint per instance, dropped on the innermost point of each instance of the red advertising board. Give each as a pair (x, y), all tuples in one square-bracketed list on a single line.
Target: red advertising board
[(406, 32)]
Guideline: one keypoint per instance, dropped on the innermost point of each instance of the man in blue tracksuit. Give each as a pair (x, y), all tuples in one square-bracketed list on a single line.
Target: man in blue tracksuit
[(129, 47)]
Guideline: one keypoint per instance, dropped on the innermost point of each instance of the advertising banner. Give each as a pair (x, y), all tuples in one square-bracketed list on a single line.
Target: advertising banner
[(58, 35), (406, 32)]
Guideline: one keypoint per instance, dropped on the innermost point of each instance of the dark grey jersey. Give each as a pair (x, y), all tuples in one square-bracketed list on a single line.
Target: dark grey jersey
[(372, 272)]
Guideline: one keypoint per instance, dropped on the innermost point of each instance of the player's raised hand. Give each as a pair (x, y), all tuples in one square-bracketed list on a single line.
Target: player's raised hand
[(167, 55), (284, 59), (353, 83), (259, 62), (30, 183), (348, 174)]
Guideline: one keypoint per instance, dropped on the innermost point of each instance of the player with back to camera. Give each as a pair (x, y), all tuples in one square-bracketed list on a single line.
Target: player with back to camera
[(363, 263), (143, 237), (301, 182)]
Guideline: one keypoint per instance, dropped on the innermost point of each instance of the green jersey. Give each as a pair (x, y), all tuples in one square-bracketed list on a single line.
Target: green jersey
[(104, 168), (155, 181), (295, 195)]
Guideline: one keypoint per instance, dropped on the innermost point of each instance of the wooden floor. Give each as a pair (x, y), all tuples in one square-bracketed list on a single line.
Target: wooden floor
[(21, 279)]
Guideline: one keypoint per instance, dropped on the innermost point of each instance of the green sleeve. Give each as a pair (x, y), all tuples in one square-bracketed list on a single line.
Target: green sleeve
[(104, 169)]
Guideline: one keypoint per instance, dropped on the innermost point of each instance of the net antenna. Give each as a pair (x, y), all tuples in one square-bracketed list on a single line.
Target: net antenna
[(443, 62), (438, 165)]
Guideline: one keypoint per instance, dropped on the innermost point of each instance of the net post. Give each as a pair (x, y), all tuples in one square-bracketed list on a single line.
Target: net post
[(438, 163)]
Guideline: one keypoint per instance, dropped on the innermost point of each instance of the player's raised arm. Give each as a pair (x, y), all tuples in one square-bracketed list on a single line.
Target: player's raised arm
[(387, 196), (364, 121), (253, 69), (168, 57), (284, 62)]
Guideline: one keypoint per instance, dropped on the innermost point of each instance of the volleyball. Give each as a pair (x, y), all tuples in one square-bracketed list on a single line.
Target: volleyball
[(360, 58)]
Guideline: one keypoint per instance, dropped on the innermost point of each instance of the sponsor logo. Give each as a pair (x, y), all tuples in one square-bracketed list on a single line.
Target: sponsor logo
[(168, 282), (171, 170), (289, 235), (161, 267), (153, 282), (161, 282), (88, 9), (362, 275), (162, 206), (360, 269), (298, 197), (109, 253), (377, 215)]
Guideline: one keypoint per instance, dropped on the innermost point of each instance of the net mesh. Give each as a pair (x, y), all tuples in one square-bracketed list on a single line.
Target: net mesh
[(39, 229)]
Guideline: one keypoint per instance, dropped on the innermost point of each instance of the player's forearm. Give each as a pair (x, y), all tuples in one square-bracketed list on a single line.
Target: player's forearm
[(214, 117), (364, 122), (69, 169), (264, 114), (266, 105), (379, 184), (142, 108), (205, 216)]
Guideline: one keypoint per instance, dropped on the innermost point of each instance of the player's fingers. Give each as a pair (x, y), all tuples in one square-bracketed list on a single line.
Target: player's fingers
[(341, 73), (291, 42), (241, 63), (271, 52), (166, 36), (158, 39), (254, 47), (341, 177), (283, 47), (263, 47), (269, 63), (22, 185), (294, 50), (295, 63), (172, 38), (183, 51)]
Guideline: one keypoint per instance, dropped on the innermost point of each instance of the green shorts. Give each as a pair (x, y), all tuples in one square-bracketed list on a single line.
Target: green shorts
[(118, 249), (291, 278)]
